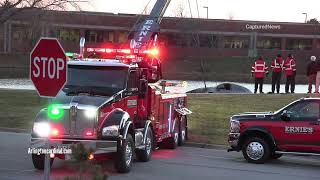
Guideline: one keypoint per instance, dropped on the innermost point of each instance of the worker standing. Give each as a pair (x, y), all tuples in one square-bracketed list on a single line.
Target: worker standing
[(259, 69), (317, 71), (290, 68), (277, 67), (311, 73)]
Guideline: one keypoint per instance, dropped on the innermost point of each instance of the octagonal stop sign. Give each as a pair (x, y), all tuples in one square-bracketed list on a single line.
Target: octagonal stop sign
[(48, 67)]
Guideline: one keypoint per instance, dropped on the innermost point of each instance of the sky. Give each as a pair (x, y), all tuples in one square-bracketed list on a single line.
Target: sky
[(266, 10)]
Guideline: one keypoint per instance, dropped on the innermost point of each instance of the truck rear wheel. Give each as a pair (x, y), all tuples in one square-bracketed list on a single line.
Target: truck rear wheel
[(144, 154), (38, 161), (182, 131), (256, 150), (125, 155), (174, 140)]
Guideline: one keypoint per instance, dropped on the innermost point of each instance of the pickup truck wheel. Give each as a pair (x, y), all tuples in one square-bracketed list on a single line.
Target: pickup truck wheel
[(256, 150), (125, 155), (182, 131), (144, 155), (38, 161)]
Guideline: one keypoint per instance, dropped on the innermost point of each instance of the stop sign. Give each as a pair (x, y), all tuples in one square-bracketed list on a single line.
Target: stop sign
[(48, 67)]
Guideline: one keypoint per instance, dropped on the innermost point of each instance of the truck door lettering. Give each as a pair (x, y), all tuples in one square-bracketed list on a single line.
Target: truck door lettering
[(298, 130)]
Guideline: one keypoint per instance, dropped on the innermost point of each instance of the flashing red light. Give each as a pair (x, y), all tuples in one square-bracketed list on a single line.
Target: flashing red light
[(55, 132), (108, 50), (89, 133), (125, 51), (152, 52)]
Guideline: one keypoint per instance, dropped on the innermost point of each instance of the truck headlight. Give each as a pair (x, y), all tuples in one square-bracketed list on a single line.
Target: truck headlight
[(90, 113), (110, 131), (42, 129), (234, 126)]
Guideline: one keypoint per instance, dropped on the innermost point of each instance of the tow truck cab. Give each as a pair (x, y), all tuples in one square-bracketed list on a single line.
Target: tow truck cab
[(110, 106), (294, 129)]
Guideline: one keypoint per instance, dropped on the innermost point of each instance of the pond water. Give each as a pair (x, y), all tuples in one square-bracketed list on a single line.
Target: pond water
[(26, 84)]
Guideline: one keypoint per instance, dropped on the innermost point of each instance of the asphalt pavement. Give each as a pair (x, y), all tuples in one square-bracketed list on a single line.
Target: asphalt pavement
[(184, 163)]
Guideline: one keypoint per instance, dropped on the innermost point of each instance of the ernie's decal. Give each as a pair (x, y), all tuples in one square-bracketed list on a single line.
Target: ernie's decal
[(298, 130)]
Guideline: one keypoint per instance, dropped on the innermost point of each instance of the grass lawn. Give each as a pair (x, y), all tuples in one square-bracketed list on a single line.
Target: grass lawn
[(209, 122), (18, 108)]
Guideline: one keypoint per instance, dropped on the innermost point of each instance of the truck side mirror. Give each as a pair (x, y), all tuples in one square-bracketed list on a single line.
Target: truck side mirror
[(143, 85), (285, 116)]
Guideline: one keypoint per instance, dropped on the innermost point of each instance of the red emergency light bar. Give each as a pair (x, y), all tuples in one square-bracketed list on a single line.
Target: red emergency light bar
[(108, 50), (152, 52)]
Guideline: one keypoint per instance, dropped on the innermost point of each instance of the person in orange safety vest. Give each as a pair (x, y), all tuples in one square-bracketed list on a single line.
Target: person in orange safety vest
[(290, 69), (259, 69)]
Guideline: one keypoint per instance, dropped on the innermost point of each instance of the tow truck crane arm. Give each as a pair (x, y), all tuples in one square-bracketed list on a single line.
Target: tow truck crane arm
[(151, 25)]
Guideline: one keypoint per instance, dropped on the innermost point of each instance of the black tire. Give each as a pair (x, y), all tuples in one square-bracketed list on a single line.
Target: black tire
[(123, 162), (262, 148), (276, 156), (144, 155), (172, 142), (182, 131), (38, 161)]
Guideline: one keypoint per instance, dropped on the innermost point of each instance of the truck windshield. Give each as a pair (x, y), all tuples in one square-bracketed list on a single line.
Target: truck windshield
[(95, 80)]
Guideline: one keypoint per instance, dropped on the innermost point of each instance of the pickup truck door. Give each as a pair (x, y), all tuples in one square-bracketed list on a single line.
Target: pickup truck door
[(301, 130)]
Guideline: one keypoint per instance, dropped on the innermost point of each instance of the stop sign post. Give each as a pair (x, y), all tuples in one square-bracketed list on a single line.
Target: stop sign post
[(48, 67)]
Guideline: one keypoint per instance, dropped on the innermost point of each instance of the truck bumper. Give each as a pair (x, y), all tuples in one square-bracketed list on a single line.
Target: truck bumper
[(99, 146), (234, 142)]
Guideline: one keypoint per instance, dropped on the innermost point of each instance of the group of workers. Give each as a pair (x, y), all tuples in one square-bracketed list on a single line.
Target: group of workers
[(288, 65)]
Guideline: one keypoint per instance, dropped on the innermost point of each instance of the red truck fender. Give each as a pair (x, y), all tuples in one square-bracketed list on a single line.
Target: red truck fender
[(256, 131)]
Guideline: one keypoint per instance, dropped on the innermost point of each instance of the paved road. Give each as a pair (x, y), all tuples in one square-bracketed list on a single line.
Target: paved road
[(184, 163)]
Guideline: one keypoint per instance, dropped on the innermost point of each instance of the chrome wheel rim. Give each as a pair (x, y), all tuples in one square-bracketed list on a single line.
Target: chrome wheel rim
[(255, 150), (183, 135), (148, 145), (176, 137), (128, 154)]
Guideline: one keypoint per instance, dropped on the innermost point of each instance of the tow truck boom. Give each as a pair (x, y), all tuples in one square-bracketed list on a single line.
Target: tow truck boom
[(145, 30)]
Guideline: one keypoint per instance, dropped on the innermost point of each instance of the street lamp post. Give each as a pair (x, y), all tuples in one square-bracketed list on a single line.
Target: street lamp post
[(206, 7), (306, 17)]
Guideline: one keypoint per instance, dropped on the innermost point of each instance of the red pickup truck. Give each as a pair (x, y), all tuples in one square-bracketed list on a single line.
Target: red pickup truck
[(294, 129)]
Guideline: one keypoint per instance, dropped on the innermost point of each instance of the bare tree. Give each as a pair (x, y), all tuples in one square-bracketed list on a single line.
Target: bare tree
[(231, 15), (313, 21), (179, 11), (10, 8)]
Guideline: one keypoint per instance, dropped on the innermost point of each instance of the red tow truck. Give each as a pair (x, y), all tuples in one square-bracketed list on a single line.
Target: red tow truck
[(116, 104), (294, 129)]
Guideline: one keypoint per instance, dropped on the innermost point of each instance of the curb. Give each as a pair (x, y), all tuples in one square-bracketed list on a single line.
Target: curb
[(15, 130), (206, 146)]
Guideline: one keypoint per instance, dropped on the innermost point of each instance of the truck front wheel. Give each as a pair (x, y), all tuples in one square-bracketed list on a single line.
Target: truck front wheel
[(38, 161), (256, 150), (144, 154), (125, 155)]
